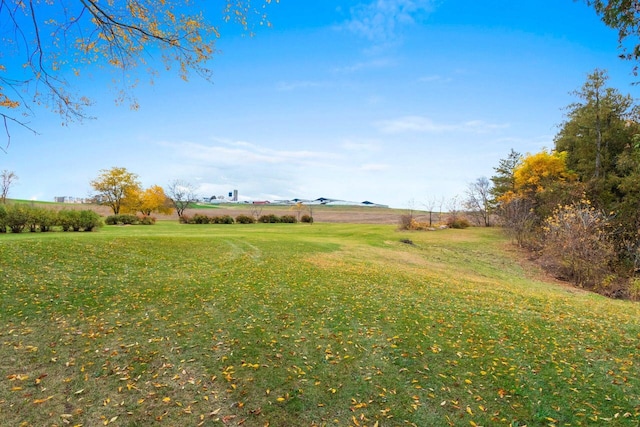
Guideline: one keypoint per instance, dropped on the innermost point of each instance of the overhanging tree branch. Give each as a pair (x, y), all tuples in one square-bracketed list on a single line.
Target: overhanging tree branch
[(47, 42)]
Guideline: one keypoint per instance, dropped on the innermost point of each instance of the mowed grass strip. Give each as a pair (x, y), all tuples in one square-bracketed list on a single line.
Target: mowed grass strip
[(296, 324)]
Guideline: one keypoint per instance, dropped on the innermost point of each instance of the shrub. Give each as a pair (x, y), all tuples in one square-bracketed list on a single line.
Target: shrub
[(306, 218), (147, 220), (69, 220), (288, 219), (33, 218), (245, 219), (409, 222), (521, 222), (127, 219), (17, 218), (459, 223), (184, 219), (39, 218), (3, 219), (47, 219), (122, 219), (576, 245), (89, 220), (405, 222), (111, 220), (634, 289), (224, 219), (269, 219), (200, 219)]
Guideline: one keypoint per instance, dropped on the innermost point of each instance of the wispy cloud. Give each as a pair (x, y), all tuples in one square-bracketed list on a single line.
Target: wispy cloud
[(289, 86), (375, 167), (525, 145), (480, 126), (381, 20), (434, 79), (361, 145), (366, 65), (426, 125), (224, 152)]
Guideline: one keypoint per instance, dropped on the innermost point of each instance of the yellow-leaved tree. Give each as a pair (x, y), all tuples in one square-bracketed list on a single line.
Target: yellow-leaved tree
[(541, 182), (153, 199), (116, 188), (541, 171)]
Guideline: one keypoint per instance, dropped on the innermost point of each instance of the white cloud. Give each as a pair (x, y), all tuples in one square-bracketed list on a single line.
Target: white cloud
[(480, 126), (289, 86), (375, 167), (434, 79), (362, 146), (411, 124), (525, 145), (365, 65), (224, 152), (380, 20), (426, 125)]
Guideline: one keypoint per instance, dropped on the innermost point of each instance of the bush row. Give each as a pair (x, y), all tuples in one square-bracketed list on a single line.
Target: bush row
[(408, 222), (129, 219), (17, 218), (275, 219), (204, 219), (288, 219), (243, 219)]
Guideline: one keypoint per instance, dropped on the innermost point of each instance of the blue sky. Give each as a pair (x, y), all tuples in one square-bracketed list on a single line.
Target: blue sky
[(397, 102)]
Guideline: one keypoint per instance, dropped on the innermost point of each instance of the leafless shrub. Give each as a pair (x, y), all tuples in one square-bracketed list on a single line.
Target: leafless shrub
[(577, 248)]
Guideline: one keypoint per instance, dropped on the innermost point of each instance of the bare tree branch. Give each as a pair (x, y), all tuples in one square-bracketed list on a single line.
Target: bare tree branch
[(45, 41)]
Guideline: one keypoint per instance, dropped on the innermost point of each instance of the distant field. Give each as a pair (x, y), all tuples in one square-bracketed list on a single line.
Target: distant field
[(303, 325), (322, 213)]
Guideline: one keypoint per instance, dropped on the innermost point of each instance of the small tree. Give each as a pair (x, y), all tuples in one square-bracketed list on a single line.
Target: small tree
[(478, 201), (519, 220), (430, 205), (256, 211), (453, 206), (7, 180), (181, 193), (115, 188), (298, 208), (153, 199), (541, 182), (504, 180), (406, 221), (309, 217)]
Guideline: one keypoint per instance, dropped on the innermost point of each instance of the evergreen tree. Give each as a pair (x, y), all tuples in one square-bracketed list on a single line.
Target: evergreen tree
[(504, 181), (597, 131)]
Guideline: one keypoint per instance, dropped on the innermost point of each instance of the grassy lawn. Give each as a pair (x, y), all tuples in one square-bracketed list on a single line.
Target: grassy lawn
[(302, 325)]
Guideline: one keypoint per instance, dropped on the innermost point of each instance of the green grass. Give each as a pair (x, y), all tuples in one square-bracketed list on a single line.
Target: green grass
[(301, 325)]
